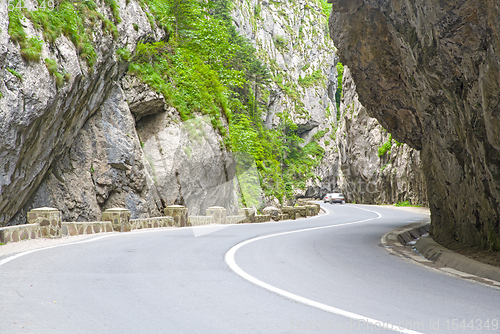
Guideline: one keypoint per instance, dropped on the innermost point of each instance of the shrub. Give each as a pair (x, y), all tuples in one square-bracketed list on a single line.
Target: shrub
[(382, 150), (123, 54), (16, 30), (312, 79), (59, 79), (405, 203), (280, 42), (51, 65)]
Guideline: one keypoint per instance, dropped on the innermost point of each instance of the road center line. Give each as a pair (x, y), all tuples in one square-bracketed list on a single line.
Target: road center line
[(230, 260)]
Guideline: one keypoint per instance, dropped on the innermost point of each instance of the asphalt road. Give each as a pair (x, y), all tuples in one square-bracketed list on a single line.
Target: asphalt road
[(327, 274)]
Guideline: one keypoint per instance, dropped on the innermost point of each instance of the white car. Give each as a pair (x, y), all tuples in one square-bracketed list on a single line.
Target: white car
[(336, 198), (327, 198)]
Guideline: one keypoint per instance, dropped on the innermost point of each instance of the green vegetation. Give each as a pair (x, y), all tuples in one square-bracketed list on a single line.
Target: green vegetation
[(326, 7), (32, 49), (74, 19), (312, 79), (386, 147), (280, 42), (14, 73), (51, 65), (405, 203), (53, 70), (114, 8), (123, 54), (256, 10), (207, 68), (320, 134), (202, 67), (338, 93)]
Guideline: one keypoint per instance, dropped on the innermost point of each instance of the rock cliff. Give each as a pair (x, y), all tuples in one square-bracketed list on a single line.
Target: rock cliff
[(374, 168), (74, 145), (41, 118), (291, 37), (80, 134), (429, 71)]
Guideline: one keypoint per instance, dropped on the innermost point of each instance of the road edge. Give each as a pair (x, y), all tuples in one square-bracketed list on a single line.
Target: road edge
[(425, 251)]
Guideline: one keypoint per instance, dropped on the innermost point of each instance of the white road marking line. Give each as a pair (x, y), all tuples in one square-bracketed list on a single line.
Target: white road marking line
[(230, 260)]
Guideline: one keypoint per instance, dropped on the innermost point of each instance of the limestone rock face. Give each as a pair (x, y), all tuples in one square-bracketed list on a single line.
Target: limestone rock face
[(365, 177), (105, 168), (429, 71), (141, 98), (188, 164), (291, 37), (40, 121)]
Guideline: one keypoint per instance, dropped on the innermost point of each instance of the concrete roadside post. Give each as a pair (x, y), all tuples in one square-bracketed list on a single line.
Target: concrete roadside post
[(218, 214), (179, 213), (49, 220), (120, 218)]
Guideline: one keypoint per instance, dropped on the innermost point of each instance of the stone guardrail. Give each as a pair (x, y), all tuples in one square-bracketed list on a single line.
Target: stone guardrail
[(82, 228), (137, 224), (46, 222)]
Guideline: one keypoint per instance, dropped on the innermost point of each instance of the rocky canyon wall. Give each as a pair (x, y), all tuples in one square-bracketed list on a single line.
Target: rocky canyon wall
[(40, 118), (291, 37), (85, 145), (102, 138), (374, 168), (429, 71)]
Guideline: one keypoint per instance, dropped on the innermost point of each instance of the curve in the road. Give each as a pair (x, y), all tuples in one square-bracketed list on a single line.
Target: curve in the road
[(231, 262)]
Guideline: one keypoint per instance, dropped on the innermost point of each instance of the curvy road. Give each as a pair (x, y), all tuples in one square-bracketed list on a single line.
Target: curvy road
[(326, 274)]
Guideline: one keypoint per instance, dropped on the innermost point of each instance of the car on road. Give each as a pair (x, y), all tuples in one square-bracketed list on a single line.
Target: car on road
[(327, 198), (336, 198)]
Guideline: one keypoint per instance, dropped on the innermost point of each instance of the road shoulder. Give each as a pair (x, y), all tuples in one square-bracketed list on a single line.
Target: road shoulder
[(413, 243)]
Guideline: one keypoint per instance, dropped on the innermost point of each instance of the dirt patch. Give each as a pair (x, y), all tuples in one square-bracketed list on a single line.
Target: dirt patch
[(473, 252)]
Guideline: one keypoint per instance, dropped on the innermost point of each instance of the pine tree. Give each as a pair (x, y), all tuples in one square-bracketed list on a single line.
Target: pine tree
[(183, 13)]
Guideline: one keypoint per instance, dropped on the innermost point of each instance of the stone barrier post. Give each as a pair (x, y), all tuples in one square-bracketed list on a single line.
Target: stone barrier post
[(120, 218), (311, 210), (249, 214), (273, 212), (290, 211), (300, 212), (179, 213), (49, 220), (218, 214)]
